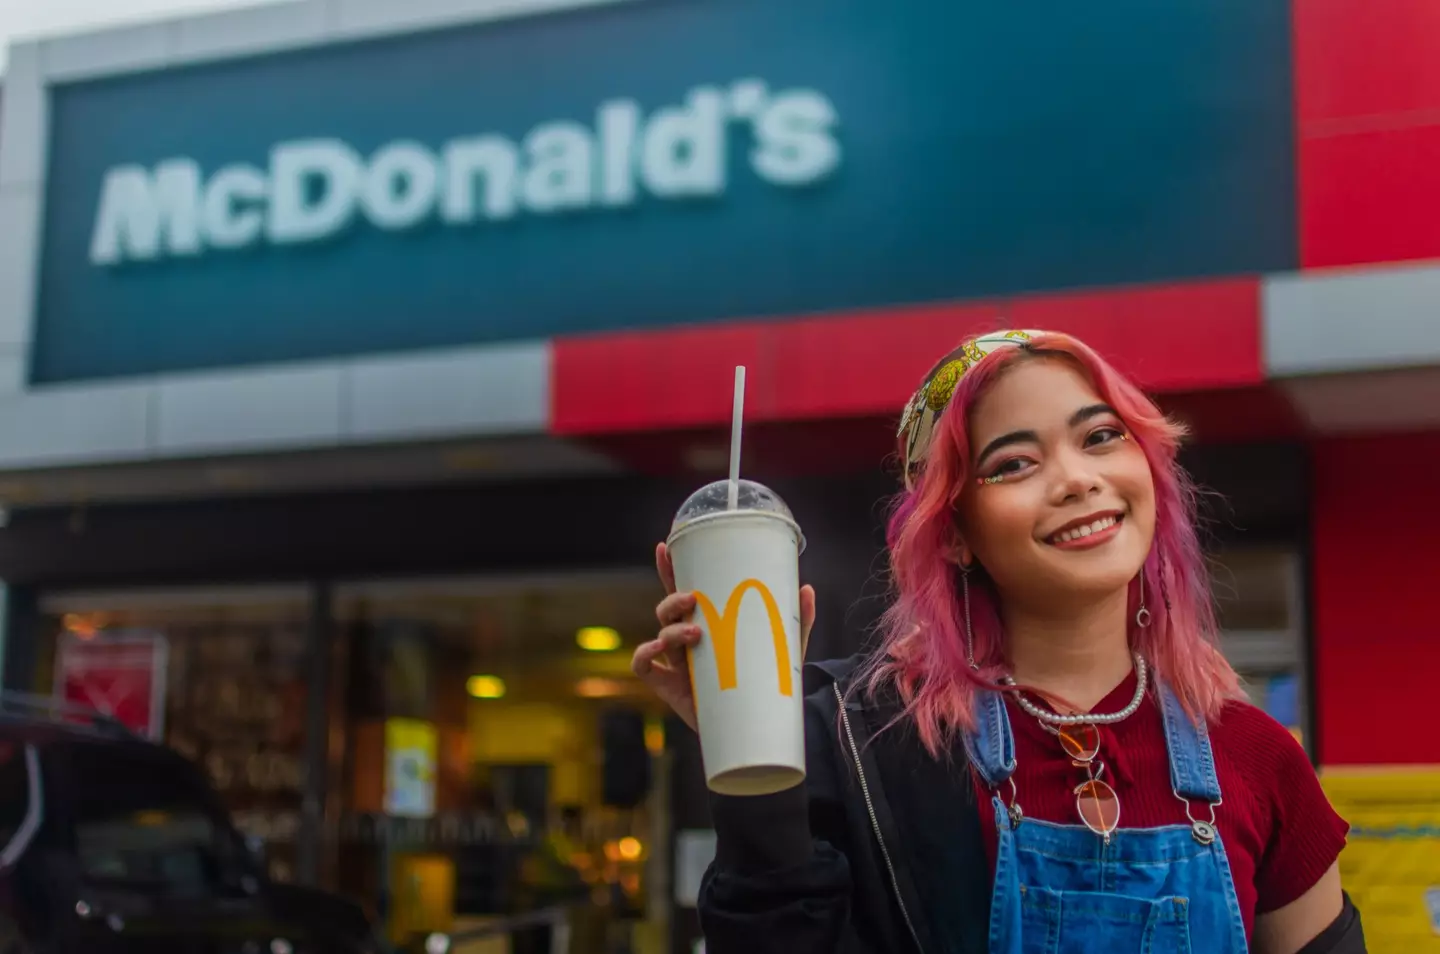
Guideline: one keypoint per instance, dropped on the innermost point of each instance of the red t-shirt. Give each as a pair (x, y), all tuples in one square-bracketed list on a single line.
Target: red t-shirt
[(1279, 831)]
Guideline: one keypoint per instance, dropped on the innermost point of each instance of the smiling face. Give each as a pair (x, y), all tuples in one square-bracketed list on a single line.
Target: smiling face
[(1067, 506)]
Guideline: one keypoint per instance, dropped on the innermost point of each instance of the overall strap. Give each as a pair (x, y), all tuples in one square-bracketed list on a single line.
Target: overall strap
[(991, 744), (1192, 761)]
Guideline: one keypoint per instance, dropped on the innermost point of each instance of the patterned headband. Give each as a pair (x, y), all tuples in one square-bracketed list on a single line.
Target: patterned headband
[(917, 423)]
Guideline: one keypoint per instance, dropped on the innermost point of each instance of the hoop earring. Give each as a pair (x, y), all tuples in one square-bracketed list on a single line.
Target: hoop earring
[(969, 632), (1142, 615)]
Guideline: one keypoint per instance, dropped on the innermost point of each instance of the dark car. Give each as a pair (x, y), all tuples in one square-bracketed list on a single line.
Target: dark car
[(110, 843)]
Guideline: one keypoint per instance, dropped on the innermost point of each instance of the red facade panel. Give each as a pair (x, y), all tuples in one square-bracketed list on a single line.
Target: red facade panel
[(1172, 338), (1371, 197), (1367, 90), (1377, 642)]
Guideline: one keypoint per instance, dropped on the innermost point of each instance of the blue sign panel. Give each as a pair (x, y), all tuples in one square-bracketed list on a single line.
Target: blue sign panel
[(653, 163)]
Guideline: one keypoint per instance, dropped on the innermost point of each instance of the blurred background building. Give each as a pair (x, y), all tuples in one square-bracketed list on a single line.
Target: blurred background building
[(354, 355)]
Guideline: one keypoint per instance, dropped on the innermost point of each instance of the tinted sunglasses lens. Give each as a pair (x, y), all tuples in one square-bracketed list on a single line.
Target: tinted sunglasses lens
[(1081, 742), (1099, 806)]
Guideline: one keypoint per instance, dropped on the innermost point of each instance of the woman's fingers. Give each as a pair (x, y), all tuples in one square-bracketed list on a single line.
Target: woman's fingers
[(645, 655), (675, 608), (644, 658), (668, 648), (678, 637)]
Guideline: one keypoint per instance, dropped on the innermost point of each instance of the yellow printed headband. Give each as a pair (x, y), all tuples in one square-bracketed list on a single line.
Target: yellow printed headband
[(922, 412)]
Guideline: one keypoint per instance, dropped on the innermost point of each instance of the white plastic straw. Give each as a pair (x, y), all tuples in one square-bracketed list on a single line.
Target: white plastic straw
[(736, 415)]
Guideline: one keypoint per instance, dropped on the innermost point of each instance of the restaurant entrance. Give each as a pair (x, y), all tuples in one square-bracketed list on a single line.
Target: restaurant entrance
[(484, 750)]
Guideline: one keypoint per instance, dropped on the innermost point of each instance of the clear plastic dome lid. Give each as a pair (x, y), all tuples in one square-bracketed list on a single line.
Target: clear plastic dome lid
[(715, 498)]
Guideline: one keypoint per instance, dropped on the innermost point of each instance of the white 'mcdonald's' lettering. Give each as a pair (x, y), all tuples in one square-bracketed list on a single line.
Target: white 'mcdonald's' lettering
[(314, 189)]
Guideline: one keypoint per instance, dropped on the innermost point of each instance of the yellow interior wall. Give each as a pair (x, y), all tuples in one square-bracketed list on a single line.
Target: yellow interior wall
[(564, 736)]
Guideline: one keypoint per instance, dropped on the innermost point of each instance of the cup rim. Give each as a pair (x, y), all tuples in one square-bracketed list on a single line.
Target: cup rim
[(690, 524)]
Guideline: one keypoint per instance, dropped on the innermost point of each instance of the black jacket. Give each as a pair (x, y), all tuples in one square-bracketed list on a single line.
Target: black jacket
[(879, 852), (846, 881)]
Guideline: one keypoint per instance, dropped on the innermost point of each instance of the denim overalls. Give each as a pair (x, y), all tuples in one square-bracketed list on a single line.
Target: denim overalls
[(1060, 889)]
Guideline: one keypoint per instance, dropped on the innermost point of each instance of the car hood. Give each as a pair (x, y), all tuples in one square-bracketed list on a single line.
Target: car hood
[(261, 924)]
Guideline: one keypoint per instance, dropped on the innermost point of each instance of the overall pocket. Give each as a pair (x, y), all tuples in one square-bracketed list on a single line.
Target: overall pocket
[(1081, 922)]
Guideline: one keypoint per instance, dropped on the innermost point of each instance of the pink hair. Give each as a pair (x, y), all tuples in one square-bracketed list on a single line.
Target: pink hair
[(922, 654)]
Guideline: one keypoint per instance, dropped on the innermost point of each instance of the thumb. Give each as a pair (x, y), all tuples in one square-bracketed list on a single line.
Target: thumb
[(807, 616)]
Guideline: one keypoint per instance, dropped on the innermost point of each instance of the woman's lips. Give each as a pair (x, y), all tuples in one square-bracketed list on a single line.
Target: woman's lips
[(1099, 531)]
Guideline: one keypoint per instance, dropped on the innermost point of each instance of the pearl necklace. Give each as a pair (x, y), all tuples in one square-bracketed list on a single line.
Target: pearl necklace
[(1055, 718)]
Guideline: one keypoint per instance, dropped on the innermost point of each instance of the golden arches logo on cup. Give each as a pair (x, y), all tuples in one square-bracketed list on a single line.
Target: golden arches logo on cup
[(722, 626)]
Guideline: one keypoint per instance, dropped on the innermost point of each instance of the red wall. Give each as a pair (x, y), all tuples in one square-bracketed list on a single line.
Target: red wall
[(1376, 599), (868, 363), (1367, 91)]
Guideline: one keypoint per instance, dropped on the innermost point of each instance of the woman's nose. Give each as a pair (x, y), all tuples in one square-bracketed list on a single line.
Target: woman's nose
[(1074, 478)]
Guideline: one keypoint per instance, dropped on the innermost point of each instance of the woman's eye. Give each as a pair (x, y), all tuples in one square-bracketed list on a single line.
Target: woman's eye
[(1009, 468), (1103, 435)]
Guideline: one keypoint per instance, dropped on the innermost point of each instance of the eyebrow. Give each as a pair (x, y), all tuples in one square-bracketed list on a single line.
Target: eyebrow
[(1030, 437)]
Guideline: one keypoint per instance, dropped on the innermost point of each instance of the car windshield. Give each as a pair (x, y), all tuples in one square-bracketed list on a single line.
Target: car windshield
[(149, 822)]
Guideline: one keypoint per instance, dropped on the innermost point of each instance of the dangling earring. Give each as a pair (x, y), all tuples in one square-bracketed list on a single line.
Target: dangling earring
[(1142, 615), (969, 633)]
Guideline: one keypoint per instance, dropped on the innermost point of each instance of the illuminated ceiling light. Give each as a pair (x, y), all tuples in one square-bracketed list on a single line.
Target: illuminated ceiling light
[(81, 625), (485, 687), (598, 639), (630, 849), (598, 687)]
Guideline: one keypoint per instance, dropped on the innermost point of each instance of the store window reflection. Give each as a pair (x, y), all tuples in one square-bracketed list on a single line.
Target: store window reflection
[(225, 668), (502, 758)]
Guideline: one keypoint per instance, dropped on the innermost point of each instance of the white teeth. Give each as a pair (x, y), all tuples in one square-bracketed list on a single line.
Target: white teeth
[(1076, 533)]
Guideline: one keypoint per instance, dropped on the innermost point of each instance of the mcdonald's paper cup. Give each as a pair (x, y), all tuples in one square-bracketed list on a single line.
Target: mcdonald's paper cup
[(743, 567)]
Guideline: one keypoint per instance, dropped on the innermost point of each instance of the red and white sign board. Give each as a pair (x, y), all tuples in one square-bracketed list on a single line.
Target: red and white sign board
[(121, 675)]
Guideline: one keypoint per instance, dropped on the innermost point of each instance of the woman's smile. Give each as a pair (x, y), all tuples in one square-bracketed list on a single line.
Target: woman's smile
[(1087, 532)]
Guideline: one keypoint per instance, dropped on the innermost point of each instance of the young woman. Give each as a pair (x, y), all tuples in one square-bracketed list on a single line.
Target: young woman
[(1047, 752)]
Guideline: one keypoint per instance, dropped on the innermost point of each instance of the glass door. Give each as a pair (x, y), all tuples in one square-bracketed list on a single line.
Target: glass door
[(1260, 603), (502, 758)]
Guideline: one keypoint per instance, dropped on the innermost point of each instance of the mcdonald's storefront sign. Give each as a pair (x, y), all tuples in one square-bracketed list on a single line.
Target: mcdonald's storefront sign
[(722, 630), (187, 225)]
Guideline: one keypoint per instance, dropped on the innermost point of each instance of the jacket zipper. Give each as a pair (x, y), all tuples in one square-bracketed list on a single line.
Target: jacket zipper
[(874, 819)]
